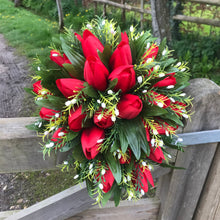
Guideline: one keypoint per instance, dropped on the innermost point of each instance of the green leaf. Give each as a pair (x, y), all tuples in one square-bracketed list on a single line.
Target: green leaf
[(173, 117), (114, 166), (162, 46), (57, 102), (71, 135), (89, 90), (66, 147), (107, 196), (47, 104), (90, 187), (153, 110), (112, 83), (105, 55), (123, 142), (72, 71), (117, 195), (30, 91), (170, 166)]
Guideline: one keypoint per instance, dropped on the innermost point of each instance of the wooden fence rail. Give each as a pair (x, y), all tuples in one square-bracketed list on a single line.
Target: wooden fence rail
[(181, 194)]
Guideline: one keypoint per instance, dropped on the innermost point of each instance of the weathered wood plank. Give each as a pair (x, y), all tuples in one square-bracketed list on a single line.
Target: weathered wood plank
[(213, 22), (5, 214), (142, 209), (186, 185), (123, 6), (201, 137), (58, 207), (209, 203)]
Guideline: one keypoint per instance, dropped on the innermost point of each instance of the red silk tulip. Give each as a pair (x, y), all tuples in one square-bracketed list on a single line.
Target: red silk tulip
[(58, 134), (142, 176), (159, 99), (125, 76), (47, 114), (178, 107), (168, 81), (37, 87), (156, 154), (91, 139), (122, 54), (75, 119), (95, 73), (56, 57), (107, 180), (129, 106), (126, 159), (147, 131), (103, 119), (69, 87), (151, 53), (90, 44)]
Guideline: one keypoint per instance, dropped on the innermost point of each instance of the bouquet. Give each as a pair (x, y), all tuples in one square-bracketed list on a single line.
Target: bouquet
[(113, 100)]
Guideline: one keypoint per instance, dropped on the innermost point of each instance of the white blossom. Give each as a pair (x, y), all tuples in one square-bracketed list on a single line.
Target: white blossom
[(167, 133), (169, 156), (152, 142), (172, 99), (149, 60), (38, 68), (148, 45), (155, 132), (160, 143), (46, 132), (113, 118), (100, 141), (110, 92), (103, 105), (178, 64), (160, 104), (99, 117), (51, 144), (67, 103), (100, 186), (73, 101), (76, 176), (103, 171), (182, 70), (89, 26), (65, 162), (90, 166), (185, 115), (144, 163), (116, 112), (170, 87), (131, 28), (57, 115), (60, 134), (142, 192), (98, 101), (161, 75), (40, 124), (128, 178), (144, 91), (182, 94), (157, 67), (140, 79), (149, 167), (119, 156), (164, 52)]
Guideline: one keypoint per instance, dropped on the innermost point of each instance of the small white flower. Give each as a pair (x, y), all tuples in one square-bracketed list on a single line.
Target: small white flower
[(182, 70), (39, 98), (170, 87), (113, 31), (148, 45), (136, 37), (116, 112), (100, 141), (91, 171), (152, 142), (144, 91), (128, 178), (52, 128), (131, 194), (160, 104), (67, 103), (90, 166), (185, 115), (142, 32), (182, 94), (183, 110), (51, 144), (164, 52), (124, 179), (178, 64), (110, 92), (73, 101), (113, 118), (98, 101), (60, 134), (157, 67), (114, 154), (155, 132), (76, 176), (180, 140), (57, 115), (129, 198), (103, 22), (169, 156), (40, 124), (160, 143), (131, 28), (149, 60), (172, 99), (167, 133), (65, 162), (89, 26), (142, 192), (103, 105), (100, 186), (43, 92), (38, 68), (46, 132), (55, 55), (99, 117), (140, 79), (149, 167), (103, 171), (161, 75), (144, 164), (118, 150), (119, 156)]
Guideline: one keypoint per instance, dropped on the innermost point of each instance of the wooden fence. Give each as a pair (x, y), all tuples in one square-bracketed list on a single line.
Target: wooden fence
[(181, 194), (142, 11)]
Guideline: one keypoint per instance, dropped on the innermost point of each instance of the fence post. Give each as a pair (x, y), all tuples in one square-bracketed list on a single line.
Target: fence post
[(123, 16), (142, 14), (186, 185)]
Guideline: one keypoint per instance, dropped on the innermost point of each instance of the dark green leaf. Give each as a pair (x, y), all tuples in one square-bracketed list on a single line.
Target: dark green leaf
[(47, 104), (117, 195), (170, 166), (114, 166), (72, 71), (90, 91), (107, 196), (90, 187), (57, 102), (66, 147), (173, 117), (71, 135), (123, 142), (112, 83), (30, 91), (153, 110), (162, 46), (105, 55)]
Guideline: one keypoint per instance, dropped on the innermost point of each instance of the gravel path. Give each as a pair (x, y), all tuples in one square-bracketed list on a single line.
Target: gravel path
[(14, 102)]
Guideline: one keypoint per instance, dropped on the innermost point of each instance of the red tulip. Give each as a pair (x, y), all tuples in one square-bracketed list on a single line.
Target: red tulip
[(147, 131), (168, 81), (126, 159), (76, 118), (56, 57), (151, 53), (47, 114), (129, 106), (58, 134), (125, 76), (69, 87), (178, 107), (122, 54), (141, 177), (159, 99), (90, 44), (156, 154), (103, 119), (95, 73), (107, 180), (91, 140), (37, 87)]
